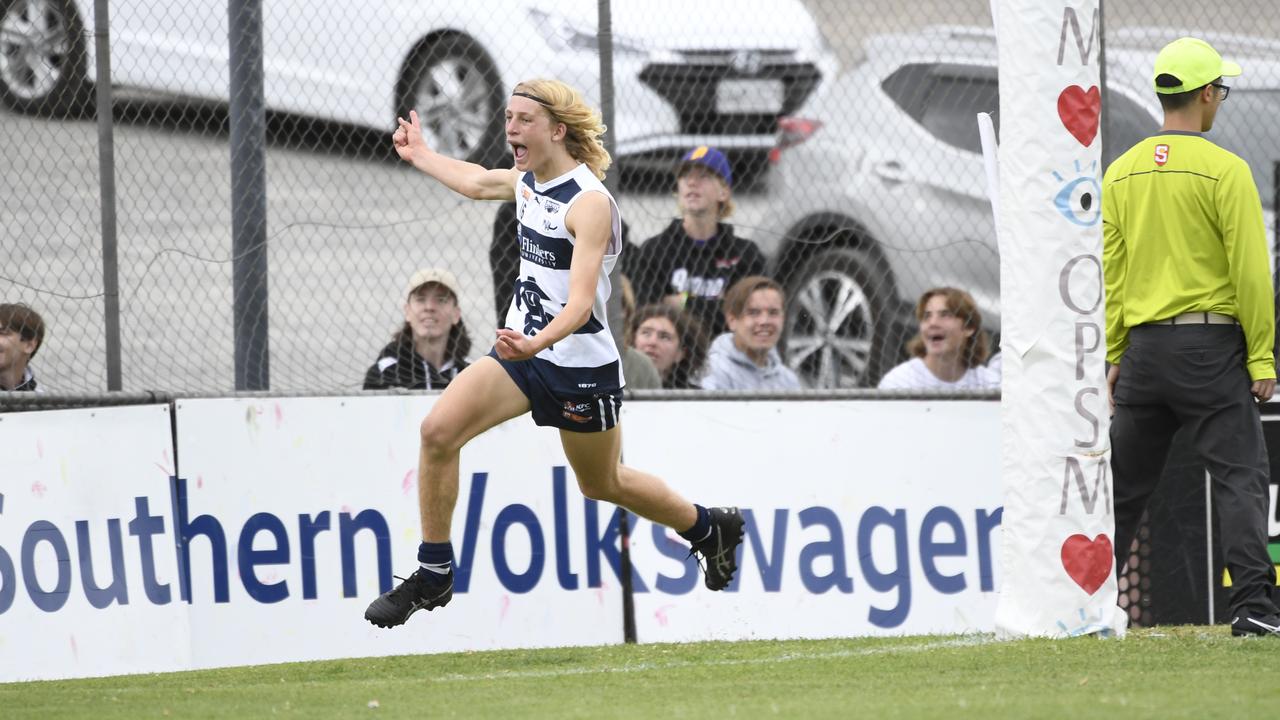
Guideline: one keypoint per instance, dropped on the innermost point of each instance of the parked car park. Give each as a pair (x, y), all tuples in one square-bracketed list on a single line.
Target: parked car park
[(881, 191), (685, 73)]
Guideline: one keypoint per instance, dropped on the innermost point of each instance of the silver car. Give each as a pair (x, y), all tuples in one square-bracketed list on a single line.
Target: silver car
[(882, 194), (363, 62)]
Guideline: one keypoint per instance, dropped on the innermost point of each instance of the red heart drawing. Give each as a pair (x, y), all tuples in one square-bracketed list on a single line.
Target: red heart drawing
[(1088, 562), (1079, 110)]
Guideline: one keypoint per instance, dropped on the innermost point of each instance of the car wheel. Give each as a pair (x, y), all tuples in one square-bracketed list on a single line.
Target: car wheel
[(42, 58), (839, 329), (457, 92)]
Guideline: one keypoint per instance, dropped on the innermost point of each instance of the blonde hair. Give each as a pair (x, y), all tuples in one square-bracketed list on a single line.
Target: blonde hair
[(583, 124), (726, 208)]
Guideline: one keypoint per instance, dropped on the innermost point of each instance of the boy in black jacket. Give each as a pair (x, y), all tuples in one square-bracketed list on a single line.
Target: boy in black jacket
[(430, 349)]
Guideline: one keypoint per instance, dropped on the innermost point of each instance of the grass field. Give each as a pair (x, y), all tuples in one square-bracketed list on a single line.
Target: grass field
[(1191, 672)]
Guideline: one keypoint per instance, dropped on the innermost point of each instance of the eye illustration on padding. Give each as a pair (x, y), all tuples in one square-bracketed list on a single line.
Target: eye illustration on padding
[(1080, 199)]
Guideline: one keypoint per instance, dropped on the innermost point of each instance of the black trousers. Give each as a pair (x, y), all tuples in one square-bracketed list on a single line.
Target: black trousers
[(1194, 376)]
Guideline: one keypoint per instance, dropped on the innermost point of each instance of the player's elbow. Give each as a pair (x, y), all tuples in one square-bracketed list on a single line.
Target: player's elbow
[(578, 314)]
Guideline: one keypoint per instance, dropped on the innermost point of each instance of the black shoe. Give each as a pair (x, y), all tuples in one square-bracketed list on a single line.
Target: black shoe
[(1250, 625), (396, 605), (719, 549)]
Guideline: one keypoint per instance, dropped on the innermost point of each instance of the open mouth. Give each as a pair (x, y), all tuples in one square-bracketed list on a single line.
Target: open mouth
[(520, 151)]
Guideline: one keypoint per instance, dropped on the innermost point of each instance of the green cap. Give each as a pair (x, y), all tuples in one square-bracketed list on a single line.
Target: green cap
[(1192, 61)]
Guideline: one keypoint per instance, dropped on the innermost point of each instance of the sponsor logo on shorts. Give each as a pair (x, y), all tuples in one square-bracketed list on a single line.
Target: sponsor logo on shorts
[(579, 412)]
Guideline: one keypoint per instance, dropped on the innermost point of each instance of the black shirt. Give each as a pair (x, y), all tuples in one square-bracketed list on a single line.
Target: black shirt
[(399, 365), (672, 263)]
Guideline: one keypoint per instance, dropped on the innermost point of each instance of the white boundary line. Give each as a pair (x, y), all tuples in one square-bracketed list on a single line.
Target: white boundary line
[(680, 664)]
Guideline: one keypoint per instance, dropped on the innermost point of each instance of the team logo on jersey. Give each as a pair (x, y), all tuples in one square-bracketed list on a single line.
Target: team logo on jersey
[(579, 412), (551, 206), (1162, 154), (529, 298)]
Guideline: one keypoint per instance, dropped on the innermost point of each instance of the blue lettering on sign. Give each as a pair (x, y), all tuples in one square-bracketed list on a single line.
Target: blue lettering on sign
[(117, 591), (899, 578), (838, 578), (264, 545), (518, 515), (46, 532)]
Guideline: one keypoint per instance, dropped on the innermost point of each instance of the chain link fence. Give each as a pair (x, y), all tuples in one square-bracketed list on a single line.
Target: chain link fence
[(849, 126)]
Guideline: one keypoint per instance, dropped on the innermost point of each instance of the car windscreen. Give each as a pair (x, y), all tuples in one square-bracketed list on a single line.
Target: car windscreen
[(1247, 125)]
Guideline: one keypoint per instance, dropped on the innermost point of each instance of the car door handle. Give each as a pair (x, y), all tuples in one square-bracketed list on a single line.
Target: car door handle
[(891, 171)]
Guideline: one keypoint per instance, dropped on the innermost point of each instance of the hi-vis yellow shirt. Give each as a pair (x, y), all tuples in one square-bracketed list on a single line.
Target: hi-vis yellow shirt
[(1183, 232)]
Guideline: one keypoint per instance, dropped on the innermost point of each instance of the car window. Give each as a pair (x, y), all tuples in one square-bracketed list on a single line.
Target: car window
[(1127, 124), (1246, 126), (908, 86), (945, 99), (951, 109)]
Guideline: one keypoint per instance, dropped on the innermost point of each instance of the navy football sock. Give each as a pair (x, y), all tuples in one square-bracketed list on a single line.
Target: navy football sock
[(701, 529), (436, 559)]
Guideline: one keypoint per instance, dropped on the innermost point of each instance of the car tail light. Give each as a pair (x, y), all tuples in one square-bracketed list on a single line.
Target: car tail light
[(791, 132)]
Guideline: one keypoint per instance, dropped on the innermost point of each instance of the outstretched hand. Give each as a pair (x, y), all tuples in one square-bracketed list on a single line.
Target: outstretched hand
[(407, 138), (512, 345)]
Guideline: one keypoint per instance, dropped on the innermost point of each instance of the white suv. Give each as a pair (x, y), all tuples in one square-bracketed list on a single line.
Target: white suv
[(881, 191), (685, 73)]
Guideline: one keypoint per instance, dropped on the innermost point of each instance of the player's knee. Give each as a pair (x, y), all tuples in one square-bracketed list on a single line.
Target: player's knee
[(438, 438), (603, 489)]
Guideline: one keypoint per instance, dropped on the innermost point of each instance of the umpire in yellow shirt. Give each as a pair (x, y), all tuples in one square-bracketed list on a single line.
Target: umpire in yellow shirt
[(1191, 322)]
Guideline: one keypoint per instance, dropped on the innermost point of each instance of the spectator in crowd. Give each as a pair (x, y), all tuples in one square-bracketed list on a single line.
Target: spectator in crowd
[(692, 262), (431, 348), (637, 369), (746, 357), (21, 334), (950, 349), (674, 341)]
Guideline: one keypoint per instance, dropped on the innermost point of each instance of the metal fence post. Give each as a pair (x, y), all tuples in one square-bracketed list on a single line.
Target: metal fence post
[(107, 194), (604, 31), (248, 197)]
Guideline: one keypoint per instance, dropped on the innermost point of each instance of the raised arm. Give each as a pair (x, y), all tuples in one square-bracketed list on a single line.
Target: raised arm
[(469, 179)]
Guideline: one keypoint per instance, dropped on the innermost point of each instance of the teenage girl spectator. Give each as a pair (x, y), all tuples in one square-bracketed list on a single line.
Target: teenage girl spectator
[(674, 341)]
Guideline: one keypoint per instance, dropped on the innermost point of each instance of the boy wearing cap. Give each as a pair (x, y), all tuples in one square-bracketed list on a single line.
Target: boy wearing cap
[(697, 258), (431, 348), (1191, 322)]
